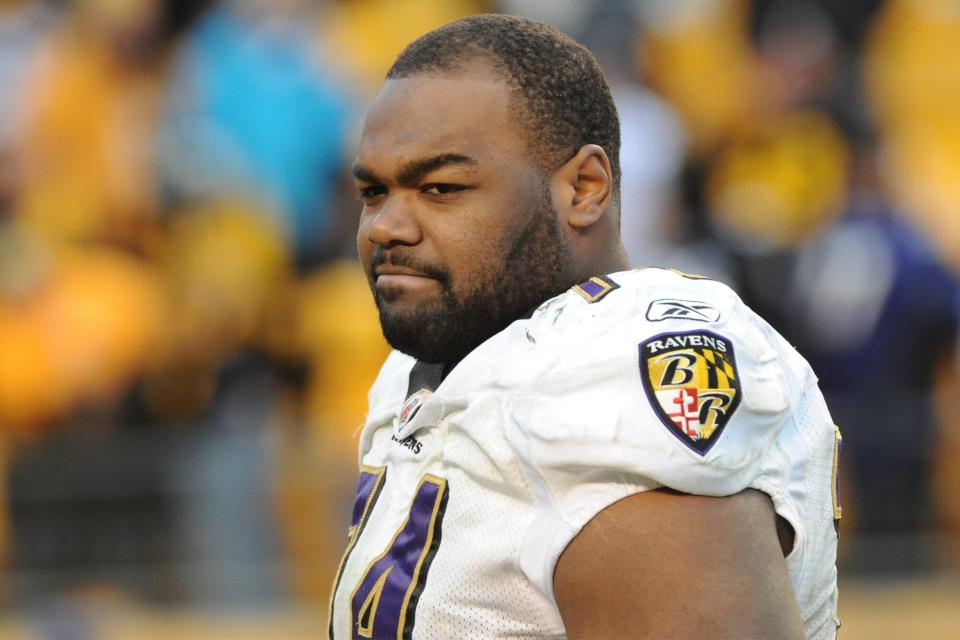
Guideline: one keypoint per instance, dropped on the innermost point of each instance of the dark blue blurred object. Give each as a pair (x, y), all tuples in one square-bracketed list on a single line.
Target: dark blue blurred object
[(875, 313)]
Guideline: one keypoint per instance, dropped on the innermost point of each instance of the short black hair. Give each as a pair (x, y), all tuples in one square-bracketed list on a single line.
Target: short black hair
[(565, 100)]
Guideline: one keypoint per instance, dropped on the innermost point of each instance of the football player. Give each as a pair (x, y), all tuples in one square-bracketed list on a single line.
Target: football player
[(560, 446)]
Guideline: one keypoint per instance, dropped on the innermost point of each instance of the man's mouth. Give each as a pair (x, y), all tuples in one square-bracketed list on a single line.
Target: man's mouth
[(391, 270), (392, 275)]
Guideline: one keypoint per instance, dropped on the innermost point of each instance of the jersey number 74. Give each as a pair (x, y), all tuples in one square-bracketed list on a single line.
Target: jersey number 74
[(383, 603)]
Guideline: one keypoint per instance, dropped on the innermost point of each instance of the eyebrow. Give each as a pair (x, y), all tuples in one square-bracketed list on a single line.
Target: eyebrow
[(411, 172)]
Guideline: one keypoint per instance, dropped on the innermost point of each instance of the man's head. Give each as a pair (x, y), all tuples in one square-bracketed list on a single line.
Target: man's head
[(488, 174), (561, 99)]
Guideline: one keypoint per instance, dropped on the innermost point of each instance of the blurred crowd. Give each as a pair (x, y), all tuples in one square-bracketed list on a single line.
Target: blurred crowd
[(186, 340)]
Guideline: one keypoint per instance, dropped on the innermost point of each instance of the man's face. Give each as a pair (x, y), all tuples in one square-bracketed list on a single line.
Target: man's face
[(458, 235)]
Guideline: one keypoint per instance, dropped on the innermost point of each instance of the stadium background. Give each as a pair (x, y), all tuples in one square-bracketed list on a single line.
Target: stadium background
[(186, 340)]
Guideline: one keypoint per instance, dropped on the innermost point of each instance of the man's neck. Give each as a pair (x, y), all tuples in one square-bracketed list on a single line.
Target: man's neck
[(608, 258)]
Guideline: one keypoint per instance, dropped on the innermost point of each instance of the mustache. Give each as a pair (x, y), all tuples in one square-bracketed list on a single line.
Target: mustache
[(381, 257)]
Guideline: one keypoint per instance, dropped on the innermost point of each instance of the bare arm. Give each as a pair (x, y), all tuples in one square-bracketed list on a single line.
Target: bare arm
[(662, 564)]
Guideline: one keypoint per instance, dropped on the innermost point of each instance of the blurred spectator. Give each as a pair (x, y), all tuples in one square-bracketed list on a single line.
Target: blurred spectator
[(220, 262), (652, 139), (768, 190), (913, 84), (700, 60), (801, 60), (775, 183), (251, 113), (336, 402), (876, 313), (76, 328), (84, 147)]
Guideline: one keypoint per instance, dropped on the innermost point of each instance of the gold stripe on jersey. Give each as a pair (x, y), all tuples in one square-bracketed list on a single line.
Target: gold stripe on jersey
[(835, 476)]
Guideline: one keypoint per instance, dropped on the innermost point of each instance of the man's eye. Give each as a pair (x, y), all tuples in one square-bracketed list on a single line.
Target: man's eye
[(441, 189), (370, 193)]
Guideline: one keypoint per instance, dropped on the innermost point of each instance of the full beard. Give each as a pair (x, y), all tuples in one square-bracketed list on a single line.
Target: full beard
[(536, 267)]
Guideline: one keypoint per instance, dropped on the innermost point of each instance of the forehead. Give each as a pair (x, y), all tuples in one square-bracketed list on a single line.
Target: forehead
[(420, 115)]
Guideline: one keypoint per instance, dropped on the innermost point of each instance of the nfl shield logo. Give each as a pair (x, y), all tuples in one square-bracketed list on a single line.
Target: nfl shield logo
[(692, 383), (411, 406)]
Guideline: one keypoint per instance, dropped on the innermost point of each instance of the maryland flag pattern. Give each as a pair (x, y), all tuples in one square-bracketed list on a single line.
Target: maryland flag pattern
[(691, 380)]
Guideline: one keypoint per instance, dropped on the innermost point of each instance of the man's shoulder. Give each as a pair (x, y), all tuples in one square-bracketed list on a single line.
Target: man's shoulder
[(654, 294), (661, 362), (605, 315)]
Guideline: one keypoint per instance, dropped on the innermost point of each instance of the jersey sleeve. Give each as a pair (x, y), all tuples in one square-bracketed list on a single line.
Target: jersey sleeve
[(694, 405)]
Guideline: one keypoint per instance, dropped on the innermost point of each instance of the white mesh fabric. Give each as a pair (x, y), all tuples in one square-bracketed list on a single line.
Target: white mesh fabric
[(816, 582), (476, 587)]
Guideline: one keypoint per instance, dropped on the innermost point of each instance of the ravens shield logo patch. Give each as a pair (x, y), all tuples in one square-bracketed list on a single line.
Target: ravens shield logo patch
[(692, 382)]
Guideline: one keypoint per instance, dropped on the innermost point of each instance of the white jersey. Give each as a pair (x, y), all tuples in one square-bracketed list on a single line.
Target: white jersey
[(468, 494)]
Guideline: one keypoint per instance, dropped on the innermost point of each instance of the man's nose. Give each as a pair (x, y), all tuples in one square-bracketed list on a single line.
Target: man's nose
[(395, 222)]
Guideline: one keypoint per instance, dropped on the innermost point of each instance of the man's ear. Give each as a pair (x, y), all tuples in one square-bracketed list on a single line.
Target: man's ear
[(583, 186)]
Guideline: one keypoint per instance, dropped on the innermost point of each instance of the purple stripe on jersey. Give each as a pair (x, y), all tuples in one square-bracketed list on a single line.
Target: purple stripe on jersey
[(365, 486), (592, 288)]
